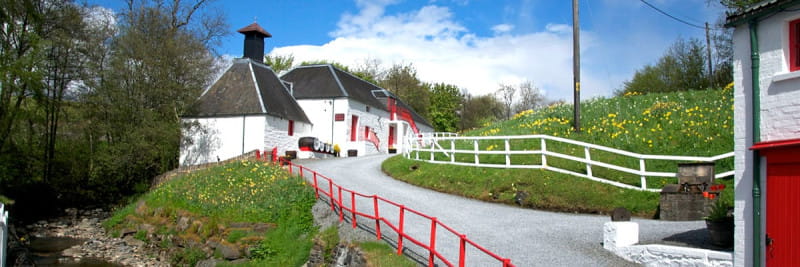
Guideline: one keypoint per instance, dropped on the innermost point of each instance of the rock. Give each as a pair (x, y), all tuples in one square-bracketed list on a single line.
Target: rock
[(206, 263), (141, 208), (149, 228), (126, 231), (130, 240), (183, 224), (229, 251)]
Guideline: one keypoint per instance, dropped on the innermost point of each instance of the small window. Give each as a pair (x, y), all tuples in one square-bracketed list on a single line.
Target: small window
[(291, 127), (367, 108), (366, 132), (794, 45)]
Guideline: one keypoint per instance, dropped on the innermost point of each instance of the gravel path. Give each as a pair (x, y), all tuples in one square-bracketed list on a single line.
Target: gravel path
[(528, 237)]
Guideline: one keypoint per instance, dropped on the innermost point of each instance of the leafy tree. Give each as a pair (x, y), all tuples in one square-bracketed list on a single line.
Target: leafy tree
[(480, 110), (444, 108), (159, 66), (279, 63), (683, 67), (403, 82)]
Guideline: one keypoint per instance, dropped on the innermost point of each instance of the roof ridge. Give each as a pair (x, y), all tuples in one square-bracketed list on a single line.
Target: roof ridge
[(338, 82), (258, 88)]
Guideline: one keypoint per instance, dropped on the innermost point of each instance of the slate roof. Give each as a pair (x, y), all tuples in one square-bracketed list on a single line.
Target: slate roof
[(236, 93), (254, 27), (758, 10), (327, 81)]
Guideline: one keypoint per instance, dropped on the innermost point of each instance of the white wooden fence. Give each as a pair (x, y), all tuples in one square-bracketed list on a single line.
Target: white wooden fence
[(435, 144), (3, 234)]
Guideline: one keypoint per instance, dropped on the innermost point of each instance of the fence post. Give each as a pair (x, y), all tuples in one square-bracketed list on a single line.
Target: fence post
[(433, 147), (588, 159), (508, 151), (642, 169), (353, 205), (301, 171), (341, 209), (477, 158), (290, 168), (316, 186), (377, 218), (400, 231), (544, 150), (462, 249), (433, 241), (452, 151), (330, 194), (3, 234)]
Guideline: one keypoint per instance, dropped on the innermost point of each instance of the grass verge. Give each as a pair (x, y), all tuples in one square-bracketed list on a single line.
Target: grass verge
[(246, 206)]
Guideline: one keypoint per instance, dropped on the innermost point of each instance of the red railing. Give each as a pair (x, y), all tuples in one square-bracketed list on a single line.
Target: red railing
[(337, 205)]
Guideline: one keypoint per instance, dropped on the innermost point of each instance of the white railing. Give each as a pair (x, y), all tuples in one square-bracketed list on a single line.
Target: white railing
[(435, 145), (3, 234), (438, 135)]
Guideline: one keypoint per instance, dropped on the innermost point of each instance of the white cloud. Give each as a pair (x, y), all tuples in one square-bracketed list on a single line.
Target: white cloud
[(502, 28), (442, 50)]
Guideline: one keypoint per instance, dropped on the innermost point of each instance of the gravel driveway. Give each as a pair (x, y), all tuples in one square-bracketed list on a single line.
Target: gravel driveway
[(528, 237)]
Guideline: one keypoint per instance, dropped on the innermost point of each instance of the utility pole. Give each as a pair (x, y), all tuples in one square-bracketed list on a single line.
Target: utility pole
[(576, 67), (708, 51)]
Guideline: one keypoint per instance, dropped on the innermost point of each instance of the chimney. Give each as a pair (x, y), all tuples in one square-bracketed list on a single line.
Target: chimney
[(254, 41)]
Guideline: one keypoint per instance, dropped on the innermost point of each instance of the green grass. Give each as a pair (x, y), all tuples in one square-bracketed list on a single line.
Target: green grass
[(691, 123), (238, 193), (379, 254)]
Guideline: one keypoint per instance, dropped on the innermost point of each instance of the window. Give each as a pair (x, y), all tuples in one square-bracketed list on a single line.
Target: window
[(291, 127), (366, 132), (794, 45)]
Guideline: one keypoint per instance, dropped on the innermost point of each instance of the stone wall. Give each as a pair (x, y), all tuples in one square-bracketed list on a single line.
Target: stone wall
[(684, 206)]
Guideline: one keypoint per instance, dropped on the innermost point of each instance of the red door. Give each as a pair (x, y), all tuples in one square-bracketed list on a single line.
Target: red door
[(391, 136), (783, 206), (353, 128)]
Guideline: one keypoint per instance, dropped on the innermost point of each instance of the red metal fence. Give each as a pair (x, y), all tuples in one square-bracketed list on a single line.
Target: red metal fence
[(335, 193)]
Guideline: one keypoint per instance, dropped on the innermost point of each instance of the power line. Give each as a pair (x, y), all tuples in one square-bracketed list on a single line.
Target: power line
[(673, 17)]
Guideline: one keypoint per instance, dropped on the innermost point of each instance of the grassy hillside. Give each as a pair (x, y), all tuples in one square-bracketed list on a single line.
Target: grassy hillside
[(693, 123), (251, 207)]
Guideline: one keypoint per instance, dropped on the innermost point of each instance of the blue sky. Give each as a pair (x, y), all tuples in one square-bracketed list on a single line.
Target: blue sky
[(475, 44)]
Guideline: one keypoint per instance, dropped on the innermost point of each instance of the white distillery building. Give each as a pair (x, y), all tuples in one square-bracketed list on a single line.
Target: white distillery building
[(766, 42), (357, 115), (249, 107)]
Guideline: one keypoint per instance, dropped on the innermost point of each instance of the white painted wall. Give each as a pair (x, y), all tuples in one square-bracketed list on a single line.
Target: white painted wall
[(222, 138), (276, 134), (377, 120), (780, 115)]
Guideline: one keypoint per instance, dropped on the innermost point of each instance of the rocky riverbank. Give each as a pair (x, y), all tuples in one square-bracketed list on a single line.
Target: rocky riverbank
[(78, 239)]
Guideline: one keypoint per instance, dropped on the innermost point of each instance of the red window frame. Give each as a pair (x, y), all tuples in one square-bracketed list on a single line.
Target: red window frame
[(794, 45), (353, 128), (291, 127)]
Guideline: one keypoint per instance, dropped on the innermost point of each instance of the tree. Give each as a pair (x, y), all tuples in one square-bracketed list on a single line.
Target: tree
[(506, 94), (403, 82), (160, 64), (21, 56), (480, 110), (279, 63), (530, 97), (682, 67), (445, 103)]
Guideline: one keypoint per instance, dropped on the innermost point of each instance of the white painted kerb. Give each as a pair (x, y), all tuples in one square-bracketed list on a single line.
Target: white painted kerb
[(621, 238)]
